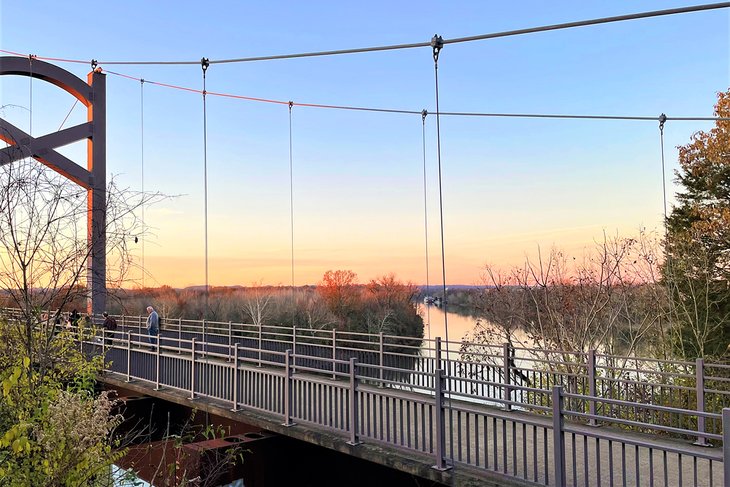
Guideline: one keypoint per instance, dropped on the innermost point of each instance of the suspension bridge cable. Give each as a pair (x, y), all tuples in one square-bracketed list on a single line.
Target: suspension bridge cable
[(141, 120), (68, 115), (670, 271), (424, 113), (438, 44), (662, 120), (291, 197), (456, 40), (30, 101), (419, 112), (204, 65)]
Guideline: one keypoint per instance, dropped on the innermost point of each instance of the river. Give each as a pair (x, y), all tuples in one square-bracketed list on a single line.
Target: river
[(435, 319)]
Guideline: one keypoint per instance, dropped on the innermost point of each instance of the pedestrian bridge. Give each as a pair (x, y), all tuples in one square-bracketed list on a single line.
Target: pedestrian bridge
[(456, 413)]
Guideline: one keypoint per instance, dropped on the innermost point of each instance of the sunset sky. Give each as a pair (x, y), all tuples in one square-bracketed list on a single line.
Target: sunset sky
[(509, 185)]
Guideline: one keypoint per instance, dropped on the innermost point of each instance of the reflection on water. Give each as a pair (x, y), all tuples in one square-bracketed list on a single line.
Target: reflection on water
[(458, 325), (435, 320)]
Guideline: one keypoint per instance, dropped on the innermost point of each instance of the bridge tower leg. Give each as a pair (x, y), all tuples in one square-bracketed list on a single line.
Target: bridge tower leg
[(96, 227)]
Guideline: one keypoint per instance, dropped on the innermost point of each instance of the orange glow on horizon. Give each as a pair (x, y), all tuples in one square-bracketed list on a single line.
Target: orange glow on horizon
[(465, 261)]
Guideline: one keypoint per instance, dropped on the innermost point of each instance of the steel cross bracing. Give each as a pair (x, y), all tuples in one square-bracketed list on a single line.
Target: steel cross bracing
[(93, 178)]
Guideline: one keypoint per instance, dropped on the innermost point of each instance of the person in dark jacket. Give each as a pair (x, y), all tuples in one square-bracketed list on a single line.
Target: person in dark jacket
[(110, 324), (153, 324)]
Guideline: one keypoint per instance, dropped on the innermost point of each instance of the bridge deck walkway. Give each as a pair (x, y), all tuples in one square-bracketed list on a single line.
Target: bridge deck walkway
[(398, 427)]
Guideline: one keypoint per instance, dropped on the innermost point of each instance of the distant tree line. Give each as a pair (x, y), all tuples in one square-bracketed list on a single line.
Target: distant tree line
[(339, 301)]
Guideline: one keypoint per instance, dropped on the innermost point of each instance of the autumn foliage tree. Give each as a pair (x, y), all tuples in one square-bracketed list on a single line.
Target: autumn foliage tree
[(340, 293), (697, 263), (384, 305), (390, 308)]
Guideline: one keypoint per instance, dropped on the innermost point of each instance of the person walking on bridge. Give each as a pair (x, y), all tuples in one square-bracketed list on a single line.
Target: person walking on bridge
[(153, 324)]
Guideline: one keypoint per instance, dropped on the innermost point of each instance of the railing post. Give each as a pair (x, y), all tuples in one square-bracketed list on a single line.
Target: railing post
[(179, 335), (700, 385), (260, 342), (558, 436), (129, 355), (592, 387), (440, 420), (288, 386), (230, 339), (235, 378), (205, 342), (334, 353), (381, 356), (123, 323), (192, 369), (139, 325), (157, 364), (354, 437), (294, 346), (437, 353), (506, 373), (726, 445)]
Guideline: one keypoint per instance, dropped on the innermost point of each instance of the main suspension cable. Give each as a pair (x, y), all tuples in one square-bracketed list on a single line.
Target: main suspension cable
[(456, 40), (419, 112)]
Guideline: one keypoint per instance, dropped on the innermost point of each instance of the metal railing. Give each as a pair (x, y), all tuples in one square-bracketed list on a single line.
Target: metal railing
[(622, 390), (556, 447), (413, 394), (514, 377)]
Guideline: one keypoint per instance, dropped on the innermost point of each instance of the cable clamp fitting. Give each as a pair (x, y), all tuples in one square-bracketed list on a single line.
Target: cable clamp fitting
[(424, 114), (662, 119), (204, 63), (94, 64), (291, 104), (437, 43)]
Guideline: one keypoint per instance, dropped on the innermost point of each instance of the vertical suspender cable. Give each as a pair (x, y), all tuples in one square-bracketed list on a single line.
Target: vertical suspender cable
[(30, 101), (424, 113), (291, 198), (141, 133), (662, 120), (204, 63), (437, 43), (30, 145)]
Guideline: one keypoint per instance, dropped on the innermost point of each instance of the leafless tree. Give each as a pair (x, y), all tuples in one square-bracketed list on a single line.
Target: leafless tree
[(610, 300), (256, 304), (44, 249)]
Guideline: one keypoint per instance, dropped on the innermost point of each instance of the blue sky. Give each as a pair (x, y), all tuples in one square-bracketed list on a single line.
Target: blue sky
[(509, 185)]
